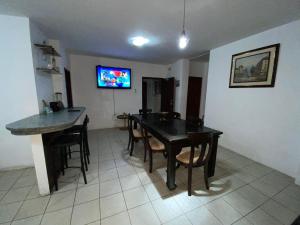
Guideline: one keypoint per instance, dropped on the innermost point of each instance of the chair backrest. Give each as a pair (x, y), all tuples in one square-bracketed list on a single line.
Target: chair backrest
[(145, 137), (205, 142), (174, 115), (145, 111), (196, 121)]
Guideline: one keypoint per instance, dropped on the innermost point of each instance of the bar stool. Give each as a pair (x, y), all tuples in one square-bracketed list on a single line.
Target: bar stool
[(64, 141), (76, 130)]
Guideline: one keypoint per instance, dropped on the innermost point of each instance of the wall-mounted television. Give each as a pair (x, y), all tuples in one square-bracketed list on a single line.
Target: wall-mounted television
[(113, 77)]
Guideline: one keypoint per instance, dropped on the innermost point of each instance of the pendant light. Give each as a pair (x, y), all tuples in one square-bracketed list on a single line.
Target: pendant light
[(183, 39)]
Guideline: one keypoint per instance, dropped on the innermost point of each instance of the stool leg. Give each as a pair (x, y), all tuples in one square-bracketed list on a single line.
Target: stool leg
[(62, 161), (69, 151), (87, 148), (66, 157), (82, 164)]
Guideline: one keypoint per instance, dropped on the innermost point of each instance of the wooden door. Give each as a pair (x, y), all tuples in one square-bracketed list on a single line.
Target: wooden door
[(68, 88), (193, 97), (167, 94)]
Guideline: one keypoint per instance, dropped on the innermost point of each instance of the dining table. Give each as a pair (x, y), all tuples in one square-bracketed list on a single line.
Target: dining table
[(173, 133)]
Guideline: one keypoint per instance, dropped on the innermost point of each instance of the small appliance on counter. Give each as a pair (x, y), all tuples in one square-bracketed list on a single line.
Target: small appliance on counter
[(57, 104)]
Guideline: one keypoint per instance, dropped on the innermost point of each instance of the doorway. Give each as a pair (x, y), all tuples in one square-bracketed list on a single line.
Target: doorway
[(193, 97), (68, 88), (158, 94)]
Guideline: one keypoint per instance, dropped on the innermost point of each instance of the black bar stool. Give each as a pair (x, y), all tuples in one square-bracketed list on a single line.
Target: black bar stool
[(76, 130), (63, 142)]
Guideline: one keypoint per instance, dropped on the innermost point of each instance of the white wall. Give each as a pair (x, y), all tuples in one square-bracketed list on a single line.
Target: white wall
[(200, 69), (260, 123), (59, 83), (99, 102), (18, 91), (180, 70), (44, 83)]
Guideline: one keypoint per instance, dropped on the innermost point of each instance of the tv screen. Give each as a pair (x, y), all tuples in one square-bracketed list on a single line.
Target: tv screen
[(113, 77)]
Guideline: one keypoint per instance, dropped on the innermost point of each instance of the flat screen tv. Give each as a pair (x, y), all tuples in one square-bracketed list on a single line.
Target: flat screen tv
[(113, 77)]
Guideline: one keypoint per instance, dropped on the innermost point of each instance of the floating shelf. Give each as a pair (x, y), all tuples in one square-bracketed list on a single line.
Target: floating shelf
[(50, 71), (47, 50)]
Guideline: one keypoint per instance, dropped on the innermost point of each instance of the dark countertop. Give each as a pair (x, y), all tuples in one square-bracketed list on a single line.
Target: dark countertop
[(46, 123)]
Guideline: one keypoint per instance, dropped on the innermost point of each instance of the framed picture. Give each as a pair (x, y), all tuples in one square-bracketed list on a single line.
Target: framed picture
[(254, 68)]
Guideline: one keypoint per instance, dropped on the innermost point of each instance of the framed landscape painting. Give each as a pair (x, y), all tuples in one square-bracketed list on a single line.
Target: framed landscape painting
[(254, 68)]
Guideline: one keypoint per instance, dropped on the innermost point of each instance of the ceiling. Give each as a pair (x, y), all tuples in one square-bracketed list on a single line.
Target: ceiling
[(103, 27)]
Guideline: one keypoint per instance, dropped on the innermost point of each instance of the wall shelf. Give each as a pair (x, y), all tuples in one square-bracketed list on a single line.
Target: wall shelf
[(50, 71), (47, 49)]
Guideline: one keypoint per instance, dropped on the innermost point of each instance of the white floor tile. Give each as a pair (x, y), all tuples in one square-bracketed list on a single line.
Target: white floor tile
[(61, 217), (16, 195), (112, 205), (110, 187), (143, 215), (130, 182), (35, 220), (33, 207), (108, 175), (181, 220), (86, 213), (259, 217), (201, 216), (223, 211), (61, 200), (126, 171), (166, 209), (87, 193), (279, 212), (135, 197), (8, 211), (119, 219)]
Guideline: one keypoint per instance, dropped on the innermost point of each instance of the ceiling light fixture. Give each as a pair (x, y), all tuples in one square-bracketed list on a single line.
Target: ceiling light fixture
[(183, 39), (139, 41)]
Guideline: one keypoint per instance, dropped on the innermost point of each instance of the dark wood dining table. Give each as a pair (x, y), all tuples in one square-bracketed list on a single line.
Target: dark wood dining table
[(173, 133)]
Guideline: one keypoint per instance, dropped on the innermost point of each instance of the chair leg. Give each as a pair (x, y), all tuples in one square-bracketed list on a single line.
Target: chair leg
[(87, 146), (145, 153), (190, 171), (129, 141), (86, 150), (206, 177), (69, 151), (85, 157), (132, 146), (82, 164), (150, 161)]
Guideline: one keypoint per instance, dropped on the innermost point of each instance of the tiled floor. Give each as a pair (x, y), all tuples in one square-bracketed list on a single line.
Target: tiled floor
[(120, 191)]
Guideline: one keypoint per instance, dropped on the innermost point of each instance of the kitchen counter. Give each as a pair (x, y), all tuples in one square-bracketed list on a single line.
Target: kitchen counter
[(46, 123)]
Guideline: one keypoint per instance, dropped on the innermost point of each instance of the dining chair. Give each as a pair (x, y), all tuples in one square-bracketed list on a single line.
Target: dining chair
[(144, 111), (63, 141), (195, 120), (134, 134), (151, 145), (196, 156)]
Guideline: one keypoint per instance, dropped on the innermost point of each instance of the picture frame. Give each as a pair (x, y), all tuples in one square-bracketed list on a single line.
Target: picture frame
[(254, 68)]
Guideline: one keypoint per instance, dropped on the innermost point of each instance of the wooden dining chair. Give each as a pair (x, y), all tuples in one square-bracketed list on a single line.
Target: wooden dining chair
[(144, 111), (174, 115), (195, 120), (134, 135), (196, 156), (151, 145)]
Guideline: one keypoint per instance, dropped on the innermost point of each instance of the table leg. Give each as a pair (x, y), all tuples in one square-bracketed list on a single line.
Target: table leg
[(40, 164), (171, 166), (213, 157)]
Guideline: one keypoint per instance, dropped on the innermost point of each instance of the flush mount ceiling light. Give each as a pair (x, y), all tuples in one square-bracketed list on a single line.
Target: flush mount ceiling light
[(139, 41), (183, 39)]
